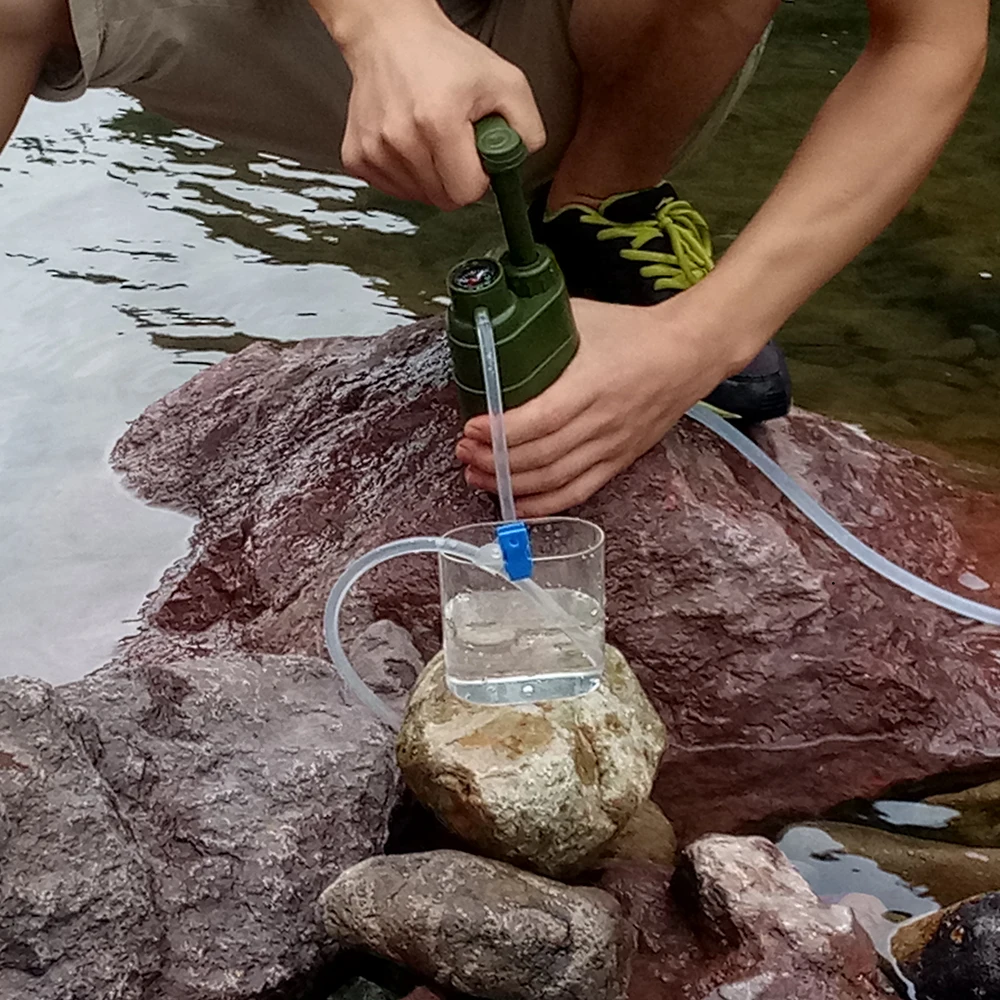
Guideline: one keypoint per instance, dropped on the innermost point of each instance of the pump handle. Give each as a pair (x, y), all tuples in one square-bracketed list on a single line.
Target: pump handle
[(500, 147)]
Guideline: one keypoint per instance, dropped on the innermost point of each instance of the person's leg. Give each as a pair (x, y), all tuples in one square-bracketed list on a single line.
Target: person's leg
[(31, 31), (623, 87), (650, 71)]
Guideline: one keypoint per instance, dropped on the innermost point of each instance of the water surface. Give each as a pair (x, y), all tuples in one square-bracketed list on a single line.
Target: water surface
[(135, 253)]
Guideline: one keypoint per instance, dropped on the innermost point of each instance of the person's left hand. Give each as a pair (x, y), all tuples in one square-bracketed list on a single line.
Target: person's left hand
[(636, 372)]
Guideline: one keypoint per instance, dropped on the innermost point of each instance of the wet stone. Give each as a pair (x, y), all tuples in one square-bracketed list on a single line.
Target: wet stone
[(932, 399), (545, 786), (954, 954)]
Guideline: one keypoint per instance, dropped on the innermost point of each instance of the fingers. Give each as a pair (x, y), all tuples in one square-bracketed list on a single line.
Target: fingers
[(458, 165), (359, 165), (570, 495), (519, 108), (412, 158), (538, 454), (575, 492), (560, 404), (549, 478)]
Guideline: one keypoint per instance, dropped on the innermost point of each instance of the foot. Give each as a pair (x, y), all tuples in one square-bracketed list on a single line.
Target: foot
[(641, 248)]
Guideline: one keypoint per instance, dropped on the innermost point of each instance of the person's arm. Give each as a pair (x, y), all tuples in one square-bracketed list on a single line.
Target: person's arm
[(419, 85), (872, 144), (638, 370)]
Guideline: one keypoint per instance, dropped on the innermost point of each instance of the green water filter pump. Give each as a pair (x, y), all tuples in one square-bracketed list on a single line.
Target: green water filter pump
[(522, 289)]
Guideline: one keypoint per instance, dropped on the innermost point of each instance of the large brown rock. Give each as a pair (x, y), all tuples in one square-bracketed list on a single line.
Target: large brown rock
[(482, 927), (545, 786), (789, 676), (165, 829)]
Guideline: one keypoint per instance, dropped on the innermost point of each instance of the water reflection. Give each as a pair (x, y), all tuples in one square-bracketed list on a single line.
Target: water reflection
[(907, 340), (135, 252)]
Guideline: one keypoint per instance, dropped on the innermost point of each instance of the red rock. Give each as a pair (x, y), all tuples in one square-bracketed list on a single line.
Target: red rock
[(736, 921), (789, 676)]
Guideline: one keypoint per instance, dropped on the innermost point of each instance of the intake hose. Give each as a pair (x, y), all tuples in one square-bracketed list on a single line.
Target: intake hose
[(834, 530)]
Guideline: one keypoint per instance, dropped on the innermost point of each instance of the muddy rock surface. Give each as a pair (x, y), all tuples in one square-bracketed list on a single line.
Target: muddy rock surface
[(482, 927), (789, 676), (544, 786), (166, 829), (949, 872)]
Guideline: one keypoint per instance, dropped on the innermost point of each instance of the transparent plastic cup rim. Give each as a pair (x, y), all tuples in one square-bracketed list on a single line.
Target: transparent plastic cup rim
[(573, 551)]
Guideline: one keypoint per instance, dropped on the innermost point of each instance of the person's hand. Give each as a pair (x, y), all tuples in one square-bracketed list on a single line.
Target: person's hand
[(637, 371), (420, 83)]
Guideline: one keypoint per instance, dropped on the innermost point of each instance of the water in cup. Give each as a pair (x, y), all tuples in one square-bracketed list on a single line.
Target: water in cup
[(502, 648)]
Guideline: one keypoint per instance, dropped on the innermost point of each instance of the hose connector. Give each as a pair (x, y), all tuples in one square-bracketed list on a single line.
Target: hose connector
[(515, 545)]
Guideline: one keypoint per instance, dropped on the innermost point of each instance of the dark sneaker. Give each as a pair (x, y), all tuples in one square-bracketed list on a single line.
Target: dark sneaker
[(641, 248)]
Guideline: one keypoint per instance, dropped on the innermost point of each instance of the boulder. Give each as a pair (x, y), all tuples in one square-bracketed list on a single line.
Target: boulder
[(166, 829), (789, 676), (977, 819), (78, 918), (545, 786), (387, 661), (482, 927), (953, 954), (751, 898), (735, 921), (648, 836)]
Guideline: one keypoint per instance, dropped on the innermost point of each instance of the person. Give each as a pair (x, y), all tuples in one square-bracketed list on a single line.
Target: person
[(605, 94)]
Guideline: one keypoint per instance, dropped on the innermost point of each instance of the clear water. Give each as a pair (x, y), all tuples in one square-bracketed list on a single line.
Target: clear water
[(502, 647), (135, 253)]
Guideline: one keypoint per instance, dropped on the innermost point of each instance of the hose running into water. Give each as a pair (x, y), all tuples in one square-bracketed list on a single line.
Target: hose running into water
[(834, 530)]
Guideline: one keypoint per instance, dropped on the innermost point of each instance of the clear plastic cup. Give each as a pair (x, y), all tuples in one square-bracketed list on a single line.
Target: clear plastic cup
[(505, 644)]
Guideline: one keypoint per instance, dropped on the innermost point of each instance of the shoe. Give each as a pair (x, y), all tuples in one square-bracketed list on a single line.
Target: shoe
[(641, 248)]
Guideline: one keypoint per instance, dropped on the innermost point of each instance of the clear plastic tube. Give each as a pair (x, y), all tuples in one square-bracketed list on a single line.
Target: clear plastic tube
[(491, 561), (488, 558), (494, 404), (834, 530)]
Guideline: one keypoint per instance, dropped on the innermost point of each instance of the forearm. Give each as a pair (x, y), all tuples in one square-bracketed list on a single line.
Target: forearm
[(873, 143), (350, 21)]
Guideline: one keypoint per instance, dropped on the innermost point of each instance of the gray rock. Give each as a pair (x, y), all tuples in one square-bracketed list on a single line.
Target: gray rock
[(544, 786), (482, 927), (953, 954), (77, 914), (166, 829), (387, 661), (249, 782)]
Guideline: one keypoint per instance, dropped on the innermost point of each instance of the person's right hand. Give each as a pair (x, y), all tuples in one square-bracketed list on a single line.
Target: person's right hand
[(420, 83)]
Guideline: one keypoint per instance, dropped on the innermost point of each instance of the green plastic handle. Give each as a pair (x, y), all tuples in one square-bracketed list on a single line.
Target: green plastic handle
[(500, 147)]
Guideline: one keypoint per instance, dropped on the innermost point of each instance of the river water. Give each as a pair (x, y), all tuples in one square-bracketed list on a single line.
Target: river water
[(135, 254)]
